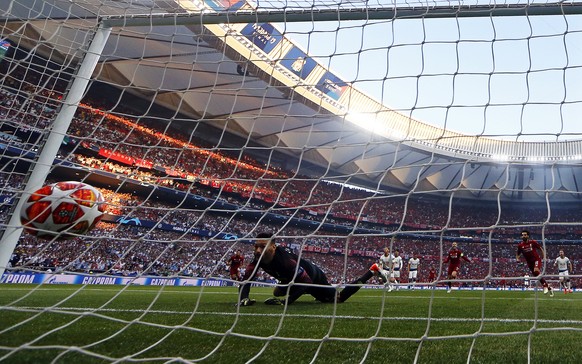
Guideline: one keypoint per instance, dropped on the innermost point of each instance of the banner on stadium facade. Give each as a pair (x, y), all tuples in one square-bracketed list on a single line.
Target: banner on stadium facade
[(85, 279), (222, 5), (116, 156), (263, 35), (51, 278), (9, 138), (331, 85), (298, 62), (172, 172), (143, 163), (4, 47), (136, 221), (6, 200)]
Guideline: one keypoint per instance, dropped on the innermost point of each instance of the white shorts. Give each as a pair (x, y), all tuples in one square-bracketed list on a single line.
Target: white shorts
[(563, 274), (395, 274), (412, 274)]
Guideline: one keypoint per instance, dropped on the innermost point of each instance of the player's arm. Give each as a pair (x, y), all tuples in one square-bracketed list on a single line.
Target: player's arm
[(541, 249), (245, 287), (518, 255), (570, 266)]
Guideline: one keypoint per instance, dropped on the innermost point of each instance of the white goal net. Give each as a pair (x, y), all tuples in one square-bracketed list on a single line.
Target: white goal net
[(342, 129)]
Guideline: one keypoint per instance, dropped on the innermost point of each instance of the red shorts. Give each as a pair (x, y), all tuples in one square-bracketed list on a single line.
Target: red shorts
[(535, 264), (453, 268)]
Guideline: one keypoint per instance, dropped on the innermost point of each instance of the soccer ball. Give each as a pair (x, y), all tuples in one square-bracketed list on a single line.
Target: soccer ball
[(62, 210)]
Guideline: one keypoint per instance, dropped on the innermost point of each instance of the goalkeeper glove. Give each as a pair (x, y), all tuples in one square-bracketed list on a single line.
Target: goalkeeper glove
[(246, 302), (274, 301)]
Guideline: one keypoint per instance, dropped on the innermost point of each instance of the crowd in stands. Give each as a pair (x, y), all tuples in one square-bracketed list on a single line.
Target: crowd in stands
[(129, 251), (189, 164)]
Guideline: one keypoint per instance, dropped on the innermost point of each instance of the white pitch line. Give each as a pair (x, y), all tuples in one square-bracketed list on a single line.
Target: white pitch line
[(436, 319)]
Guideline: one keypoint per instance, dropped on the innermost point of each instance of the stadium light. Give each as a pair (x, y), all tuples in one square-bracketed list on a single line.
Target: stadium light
[(364, 120)]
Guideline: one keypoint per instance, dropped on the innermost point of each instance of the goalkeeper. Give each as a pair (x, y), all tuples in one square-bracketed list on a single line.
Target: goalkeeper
[(307, 278)]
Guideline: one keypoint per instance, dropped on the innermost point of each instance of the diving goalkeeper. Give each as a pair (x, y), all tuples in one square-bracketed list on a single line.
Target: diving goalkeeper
[(295, 281)]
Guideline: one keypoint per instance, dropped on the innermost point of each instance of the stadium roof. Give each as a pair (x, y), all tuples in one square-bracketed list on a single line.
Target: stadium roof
[(216, 79)]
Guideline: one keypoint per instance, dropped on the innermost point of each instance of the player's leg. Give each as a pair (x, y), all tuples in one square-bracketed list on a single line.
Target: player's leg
[(567, 283), (397, 279), (392, 280), (452, 274), (410, 280), (382, 274), (324, 294), (355, 285), (536, 272), (280, 291)]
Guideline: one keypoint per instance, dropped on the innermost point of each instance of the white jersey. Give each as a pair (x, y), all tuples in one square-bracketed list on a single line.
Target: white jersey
[(413, 264), (562, 263), (397, 263), (385, 261), (396, 267)]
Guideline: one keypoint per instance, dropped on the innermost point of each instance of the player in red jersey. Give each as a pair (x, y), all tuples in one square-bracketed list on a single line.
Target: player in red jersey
[(528, 248), (234, 263), (454, 259), (431, 275)]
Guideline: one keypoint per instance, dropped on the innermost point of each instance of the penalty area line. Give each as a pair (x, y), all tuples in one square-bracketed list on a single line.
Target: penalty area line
[(248, 314)]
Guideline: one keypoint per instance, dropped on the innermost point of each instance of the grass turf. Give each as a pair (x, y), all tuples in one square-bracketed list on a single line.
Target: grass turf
[(102, 324)]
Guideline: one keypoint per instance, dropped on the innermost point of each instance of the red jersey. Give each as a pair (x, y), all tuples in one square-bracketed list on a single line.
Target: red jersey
[(235, 262), (431, 275), (529, 250), (454, 257)]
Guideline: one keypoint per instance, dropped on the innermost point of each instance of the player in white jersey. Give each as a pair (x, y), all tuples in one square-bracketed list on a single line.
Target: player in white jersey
[(564, 269), (413, 264), (386, 259), (382, 268), (396, 266)]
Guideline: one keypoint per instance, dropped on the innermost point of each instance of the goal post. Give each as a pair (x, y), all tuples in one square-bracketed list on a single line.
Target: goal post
[(49, 149)]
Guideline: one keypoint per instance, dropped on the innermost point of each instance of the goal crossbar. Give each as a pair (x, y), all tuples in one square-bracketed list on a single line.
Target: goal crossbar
[(343, 14)]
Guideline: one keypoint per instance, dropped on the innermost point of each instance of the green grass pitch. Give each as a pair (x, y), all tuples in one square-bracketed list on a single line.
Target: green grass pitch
[(103, 324)]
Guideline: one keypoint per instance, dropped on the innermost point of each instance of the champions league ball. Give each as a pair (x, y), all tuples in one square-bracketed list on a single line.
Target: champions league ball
[(62, 210)]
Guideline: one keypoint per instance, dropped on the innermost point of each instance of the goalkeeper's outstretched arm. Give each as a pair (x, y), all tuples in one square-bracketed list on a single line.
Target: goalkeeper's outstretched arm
[(245, 286)]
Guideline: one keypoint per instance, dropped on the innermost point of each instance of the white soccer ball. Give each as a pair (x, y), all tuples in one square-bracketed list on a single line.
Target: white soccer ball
[(62, 210)]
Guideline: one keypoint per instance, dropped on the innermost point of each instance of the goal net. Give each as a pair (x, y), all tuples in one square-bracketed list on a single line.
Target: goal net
[(342, 129)]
